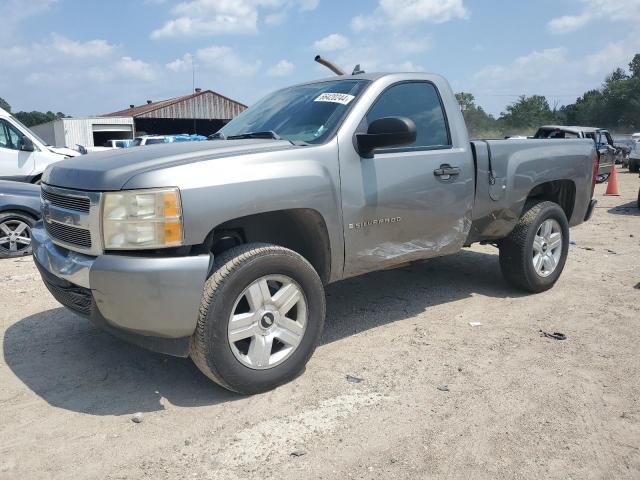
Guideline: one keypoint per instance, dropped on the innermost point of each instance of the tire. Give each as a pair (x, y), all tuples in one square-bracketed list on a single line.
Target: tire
[(634, 165), (226, 292), (517, 253), (12, 245)]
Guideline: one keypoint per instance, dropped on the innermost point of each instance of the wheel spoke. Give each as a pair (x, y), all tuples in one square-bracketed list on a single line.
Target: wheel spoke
[(545, 228), (286, 298), (23, 240), (20, 228), (537, 244), (4, 240), (555, 240), (5, 228), (537, 262), (258, 294), (13, 246), (289, 332), (550, 263), (260, 350), (242, 326)]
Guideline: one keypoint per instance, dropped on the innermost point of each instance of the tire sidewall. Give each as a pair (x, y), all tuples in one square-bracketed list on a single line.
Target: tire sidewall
[(7, 216), (220, 356), (536, 281)]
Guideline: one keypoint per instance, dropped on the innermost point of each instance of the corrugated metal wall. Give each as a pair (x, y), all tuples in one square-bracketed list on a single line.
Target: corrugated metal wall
[(207, 106), (79, 131)]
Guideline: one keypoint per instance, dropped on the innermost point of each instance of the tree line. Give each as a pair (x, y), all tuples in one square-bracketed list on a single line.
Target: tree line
[(615, 106), (31, 118)]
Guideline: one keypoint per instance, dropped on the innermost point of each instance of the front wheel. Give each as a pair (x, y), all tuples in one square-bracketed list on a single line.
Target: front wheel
[(15, 234), (261, 316), (532, 257)]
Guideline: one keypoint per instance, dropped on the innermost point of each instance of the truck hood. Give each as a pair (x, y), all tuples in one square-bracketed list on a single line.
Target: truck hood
[(105, 171)]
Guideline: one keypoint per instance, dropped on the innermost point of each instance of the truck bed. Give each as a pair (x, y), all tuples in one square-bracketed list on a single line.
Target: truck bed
[(510, 171)]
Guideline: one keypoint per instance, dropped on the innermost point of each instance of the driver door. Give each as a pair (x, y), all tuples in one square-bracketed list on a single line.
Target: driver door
[(397, 206)]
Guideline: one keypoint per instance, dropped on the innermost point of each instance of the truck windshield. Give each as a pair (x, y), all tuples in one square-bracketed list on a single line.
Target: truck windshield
[(307, 113)]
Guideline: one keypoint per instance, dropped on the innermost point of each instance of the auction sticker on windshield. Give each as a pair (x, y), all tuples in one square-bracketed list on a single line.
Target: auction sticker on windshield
[(343, 98)]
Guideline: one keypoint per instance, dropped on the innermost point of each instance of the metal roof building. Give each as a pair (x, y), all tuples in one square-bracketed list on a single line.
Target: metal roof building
[(203, 112)]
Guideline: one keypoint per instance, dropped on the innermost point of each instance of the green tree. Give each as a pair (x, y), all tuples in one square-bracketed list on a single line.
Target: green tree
[(634, 66), (5, 105), (526, 115), (36, 118), (479, 123)]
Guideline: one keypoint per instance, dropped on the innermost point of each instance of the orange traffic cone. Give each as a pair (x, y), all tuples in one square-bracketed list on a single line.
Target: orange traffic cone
[(612, 183)]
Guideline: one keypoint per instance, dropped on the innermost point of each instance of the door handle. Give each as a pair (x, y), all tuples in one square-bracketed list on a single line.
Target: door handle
[(446, 171)]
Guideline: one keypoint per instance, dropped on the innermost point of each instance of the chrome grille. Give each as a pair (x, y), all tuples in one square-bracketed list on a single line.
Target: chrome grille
[(68, 234), (72, 218), (80, 204)]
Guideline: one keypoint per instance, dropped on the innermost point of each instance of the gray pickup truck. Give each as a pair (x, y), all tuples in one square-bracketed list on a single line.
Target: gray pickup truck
[(220, 250)]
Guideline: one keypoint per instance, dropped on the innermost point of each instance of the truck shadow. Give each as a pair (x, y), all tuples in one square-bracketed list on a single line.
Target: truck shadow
[(75, 366), (630, 209)]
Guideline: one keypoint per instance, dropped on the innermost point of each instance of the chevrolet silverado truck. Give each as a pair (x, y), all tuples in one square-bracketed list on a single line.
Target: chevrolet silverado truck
[(220, 250)]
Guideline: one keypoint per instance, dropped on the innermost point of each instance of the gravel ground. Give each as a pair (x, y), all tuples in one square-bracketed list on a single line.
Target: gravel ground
[(518, 405)]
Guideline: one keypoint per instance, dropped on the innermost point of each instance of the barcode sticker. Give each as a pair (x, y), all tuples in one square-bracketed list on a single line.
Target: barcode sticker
[(342, 98)]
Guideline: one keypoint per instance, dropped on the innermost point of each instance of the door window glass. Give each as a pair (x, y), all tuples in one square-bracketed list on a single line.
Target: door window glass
[(420, 102), (10, 137)]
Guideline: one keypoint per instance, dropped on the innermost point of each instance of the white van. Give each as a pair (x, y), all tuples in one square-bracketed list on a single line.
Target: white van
[(23, 155)]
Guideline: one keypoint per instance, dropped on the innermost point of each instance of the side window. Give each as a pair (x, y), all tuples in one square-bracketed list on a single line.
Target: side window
[(420, 102), (10, 137), (5, 142)]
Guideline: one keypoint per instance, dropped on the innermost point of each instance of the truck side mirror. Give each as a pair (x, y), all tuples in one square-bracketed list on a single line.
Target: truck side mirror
[(386, 132), (26, 144)]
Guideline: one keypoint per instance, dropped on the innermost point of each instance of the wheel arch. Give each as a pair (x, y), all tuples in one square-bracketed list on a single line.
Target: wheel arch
[(562, 192), (302, 230)]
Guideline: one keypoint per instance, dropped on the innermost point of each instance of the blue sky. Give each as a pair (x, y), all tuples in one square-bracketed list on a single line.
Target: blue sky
[(86, 57)]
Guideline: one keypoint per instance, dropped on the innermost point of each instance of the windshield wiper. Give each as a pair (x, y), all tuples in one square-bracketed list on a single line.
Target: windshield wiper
[(266, 134), (217, 136)]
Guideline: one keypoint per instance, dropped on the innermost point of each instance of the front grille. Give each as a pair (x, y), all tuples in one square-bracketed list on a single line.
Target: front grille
[(80, 204), (75, 298), (69, 234)]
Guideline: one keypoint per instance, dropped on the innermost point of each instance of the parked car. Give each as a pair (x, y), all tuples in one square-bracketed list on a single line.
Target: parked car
[(220, 250), (19, 210), (121, 143), (634, 158), (601, 137), (624, 147), (23, 155), (148, 140)]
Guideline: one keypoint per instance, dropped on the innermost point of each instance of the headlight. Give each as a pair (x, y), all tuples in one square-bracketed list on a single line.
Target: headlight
[(136, 219)]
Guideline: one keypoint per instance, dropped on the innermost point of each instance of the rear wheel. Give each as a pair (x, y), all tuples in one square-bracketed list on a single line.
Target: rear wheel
[(261, 316), (15, 234), (532, 257)]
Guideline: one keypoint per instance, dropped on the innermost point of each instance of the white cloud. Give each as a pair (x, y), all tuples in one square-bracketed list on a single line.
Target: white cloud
[(135, 69), (402, 13), (181, 64), (597, 11), (89, 49), (556, 73), (196, 18), (221, 59), (281, 69), (332, 42), (14, 12)]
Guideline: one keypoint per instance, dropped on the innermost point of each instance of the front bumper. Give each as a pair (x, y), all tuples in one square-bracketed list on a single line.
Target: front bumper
[(150, 301)]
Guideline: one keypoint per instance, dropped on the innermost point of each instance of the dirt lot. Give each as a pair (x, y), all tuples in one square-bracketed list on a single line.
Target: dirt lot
[(518, 406)]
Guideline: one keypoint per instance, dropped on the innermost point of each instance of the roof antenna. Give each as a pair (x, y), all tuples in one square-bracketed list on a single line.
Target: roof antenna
[(357, 70), (329, 65)]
